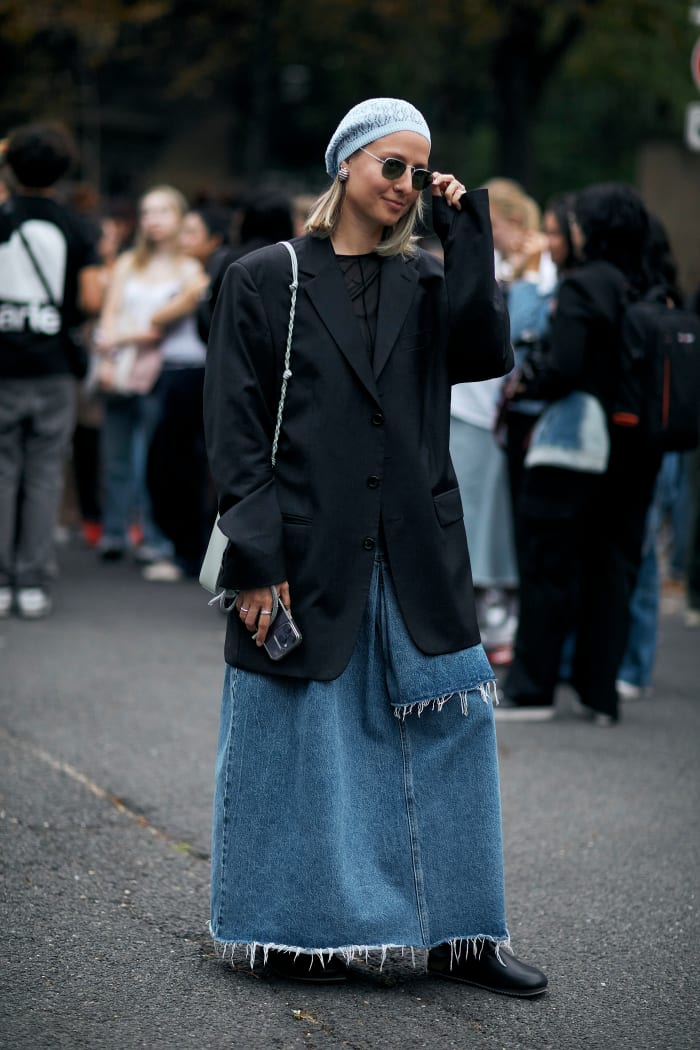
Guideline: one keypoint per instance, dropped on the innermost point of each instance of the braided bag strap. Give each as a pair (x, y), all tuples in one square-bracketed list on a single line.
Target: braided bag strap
[(287, 373)]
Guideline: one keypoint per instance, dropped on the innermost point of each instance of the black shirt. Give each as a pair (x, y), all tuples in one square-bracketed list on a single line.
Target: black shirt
[(31, 328), (361, 274)]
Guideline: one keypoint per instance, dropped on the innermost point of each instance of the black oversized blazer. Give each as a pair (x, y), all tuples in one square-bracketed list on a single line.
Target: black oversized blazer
[(364, 445)]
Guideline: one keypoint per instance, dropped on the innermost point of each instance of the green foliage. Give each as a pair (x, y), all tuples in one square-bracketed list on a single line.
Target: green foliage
[(554, 93)]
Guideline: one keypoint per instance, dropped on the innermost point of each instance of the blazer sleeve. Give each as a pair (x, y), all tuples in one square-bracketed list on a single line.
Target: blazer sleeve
[(241, 391), (479, 330)]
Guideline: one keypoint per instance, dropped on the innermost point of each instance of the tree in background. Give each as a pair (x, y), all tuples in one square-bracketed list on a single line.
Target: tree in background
[(553, 94)]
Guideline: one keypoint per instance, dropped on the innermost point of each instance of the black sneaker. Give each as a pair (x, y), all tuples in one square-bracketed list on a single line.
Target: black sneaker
[(484, 968)]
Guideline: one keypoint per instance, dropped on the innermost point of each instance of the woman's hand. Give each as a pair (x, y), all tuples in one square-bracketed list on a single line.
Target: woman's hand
[(147, 337), (449, 187), (255, 609), (527, 254), (106, 343)]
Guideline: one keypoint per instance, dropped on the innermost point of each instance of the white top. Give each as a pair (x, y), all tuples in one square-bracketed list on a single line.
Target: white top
[(181, 345), (475, 403), (141, 299)]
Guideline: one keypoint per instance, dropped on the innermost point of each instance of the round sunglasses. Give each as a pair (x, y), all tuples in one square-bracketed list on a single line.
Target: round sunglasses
[(393, 168)]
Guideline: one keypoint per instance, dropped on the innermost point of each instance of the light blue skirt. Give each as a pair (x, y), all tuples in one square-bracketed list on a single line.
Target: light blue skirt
[(360, 814)]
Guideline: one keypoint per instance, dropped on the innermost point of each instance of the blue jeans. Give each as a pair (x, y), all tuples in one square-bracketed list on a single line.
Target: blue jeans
[(673, 497), (129, 423), (344, 819), (670, 498)]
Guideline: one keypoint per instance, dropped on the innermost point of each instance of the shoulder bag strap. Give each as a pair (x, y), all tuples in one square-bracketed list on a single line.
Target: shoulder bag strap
[(217, 544), (286, 374), (35, 263)]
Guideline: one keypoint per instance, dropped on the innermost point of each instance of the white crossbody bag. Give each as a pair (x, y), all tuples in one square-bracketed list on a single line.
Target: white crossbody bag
[(211, 566)]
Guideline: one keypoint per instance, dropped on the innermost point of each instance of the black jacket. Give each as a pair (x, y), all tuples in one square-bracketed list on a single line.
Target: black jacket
[(362, 442), (586, 335)]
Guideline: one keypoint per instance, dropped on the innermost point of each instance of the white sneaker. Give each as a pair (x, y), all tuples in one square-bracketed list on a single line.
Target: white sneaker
[(33, 603), (145, 555), (692, 617), (628, 690), (5, 602), (508, 711), (162, 572)]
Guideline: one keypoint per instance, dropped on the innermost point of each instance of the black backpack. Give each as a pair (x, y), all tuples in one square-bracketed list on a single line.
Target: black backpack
[(658, 391)]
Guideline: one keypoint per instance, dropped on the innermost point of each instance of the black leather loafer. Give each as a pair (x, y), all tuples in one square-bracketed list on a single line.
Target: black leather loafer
[(308, 968), (507, 976)]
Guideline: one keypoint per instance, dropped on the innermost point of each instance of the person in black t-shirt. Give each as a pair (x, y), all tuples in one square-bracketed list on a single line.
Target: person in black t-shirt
[(48, 275)]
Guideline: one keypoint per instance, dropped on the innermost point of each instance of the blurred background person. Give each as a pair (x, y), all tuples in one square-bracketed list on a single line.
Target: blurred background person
[(669, 510), (177, 471), (479, 460), (206, 235), (147, 280), (543, 259), (87, 473), (585, 495), (47, 275), (266, 219)]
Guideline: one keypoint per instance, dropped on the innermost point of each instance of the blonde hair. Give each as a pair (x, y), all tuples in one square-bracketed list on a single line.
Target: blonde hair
[(400, 239), (142, 248), (508, 199), (533, 215)]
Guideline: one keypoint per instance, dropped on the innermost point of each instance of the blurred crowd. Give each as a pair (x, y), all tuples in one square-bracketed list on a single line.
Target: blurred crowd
[(130, 288)]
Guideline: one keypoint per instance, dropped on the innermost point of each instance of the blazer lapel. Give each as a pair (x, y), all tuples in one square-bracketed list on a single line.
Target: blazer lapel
[(322, 280), (398, 282)]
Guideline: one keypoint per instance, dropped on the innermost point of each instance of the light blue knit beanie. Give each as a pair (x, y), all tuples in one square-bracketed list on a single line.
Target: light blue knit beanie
[(370, 120)]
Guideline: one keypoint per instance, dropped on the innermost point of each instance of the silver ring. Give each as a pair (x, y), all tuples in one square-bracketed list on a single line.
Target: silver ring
[(242, 610), (266, 612)]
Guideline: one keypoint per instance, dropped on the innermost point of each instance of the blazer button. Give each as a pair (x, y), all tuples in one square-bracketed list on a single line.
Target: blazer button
[(378, 419), (368, 543), (372, 481)]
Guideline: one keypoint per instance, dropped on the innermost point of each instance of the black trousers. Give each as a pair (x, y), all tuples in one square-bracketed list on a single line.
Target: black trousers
[(581, 544), (178, 476), (86, 469), (518, 430)]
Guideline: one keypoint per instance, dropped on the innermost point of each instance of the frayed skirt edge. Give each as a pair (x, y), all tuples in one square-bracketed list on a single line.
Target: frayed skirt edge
[(459, 947)]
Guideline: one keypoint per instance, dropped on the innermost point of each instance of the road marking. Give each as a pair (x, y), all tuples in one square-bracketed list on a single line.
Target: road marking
[(99, 792)]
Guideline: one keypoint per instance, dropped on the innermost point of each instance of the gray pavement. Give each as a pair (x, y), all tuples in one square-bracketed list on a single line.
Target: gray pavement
[(108, 720)]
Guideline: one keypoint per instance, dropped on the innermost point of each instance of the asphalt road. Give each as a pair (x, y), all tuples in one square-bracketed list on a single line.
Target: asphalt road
[(108, 721)]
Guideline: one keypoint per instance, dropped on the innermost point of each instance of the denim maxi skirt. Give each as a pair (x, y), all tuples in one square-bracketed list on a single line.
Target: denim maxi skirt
[(360, 814)]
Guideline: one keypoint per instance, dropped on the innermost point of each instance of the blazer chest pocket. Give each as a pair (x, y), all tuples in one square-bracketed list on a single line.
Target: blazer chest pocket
[(448, 507)]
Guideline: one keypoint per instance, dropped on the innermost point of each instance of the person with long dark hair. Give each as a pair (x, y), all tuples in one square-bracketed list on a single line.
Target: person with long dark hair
[(586, 487)]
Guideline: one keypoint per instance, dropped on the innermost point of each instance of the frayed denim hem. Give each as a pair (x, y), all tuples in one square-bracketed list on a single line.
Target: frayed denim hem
[(486, 690), (459, 947)]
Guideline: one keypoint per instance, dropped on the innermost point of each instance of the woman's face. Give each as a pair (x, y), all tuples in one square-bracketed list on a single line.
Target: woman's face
[(371, 198), (109, 242), (195, 238), (558, 245), (507, 233), (160, 217)]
